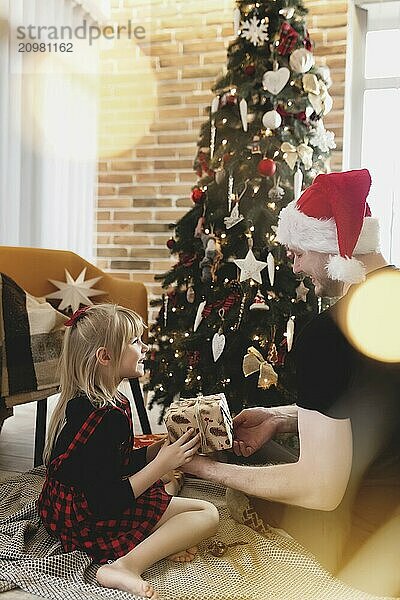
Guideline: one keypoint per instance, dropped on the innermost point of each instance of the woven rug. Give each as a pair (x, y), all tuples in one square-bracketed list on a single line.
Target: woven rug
[(262, 567)]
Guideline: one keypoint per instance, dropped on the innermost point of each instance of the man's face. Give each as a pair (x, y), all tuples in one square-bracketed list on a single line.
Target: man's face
[(314, 264)]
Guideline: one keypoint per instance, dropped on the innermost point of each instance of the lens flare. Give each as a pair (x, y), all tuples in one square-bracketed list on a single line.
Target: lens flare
[(89, 104), (128, 98), (372, 321)]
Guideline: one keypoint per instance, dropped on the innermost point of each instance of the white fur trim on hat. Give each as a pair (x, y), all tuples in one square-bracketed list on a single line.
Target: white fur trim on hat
[(348, 270), (299, 231)]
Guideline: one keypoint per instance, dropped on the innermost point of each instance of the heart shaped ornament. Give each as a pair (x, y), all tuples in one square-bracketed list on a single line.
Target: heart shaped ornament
[(218, 345), (275, 81)]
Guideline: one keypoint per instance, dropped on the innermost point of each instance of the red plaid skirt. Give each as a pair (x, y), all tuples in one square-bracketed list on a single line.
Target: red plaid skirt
[(65, 512)]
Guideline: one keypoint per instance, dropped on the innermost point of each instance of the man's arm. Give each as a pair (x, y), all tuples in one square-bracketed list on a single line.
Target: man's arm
[(317, 480)]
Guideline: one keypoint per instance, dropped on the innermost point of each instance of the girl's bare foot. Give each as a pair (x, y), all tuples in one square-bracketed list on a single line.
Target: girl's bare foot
[(117, 576), (184, 556)]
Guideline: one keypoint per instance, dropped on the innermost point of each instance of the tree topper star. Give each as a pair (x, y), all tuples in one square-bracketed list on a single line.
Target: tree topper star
[(74, 292), (250, 267)]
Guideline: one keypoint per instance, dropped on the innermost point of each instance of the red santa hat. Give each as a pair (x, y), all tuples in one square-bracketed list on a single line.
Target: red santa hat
[(332, 216)]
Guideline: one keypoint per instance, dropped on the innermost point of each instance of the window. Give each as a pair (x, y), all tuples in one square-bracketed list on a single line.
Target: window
[(372, 124)]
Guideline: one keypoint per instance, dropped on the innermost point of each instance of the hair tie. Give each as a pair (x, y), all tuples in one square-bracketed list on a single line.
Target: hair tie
[(76, 316)]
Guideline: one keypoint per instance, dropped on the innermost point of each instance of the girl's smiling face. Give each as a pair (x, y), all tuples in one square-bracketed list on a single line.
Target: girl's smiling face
[(132, 360)]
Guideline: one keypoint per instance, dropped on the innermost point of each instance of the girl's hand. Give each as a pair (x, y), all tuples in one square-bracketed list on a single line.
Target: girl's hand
[(172, 456)]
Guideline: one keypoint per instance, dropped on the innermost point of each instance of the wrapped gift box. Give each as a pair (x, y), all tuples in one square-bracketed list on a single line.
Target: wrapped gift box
[(208, 415)]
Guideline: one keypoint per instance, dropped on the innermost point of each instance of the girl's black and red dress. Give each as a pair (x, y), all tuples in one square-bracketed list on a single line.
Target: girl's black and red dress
[(87, 500)]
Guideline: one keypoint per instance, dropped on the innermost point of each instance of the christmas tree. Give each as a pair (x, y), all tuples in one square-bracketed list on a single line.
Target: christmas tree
[(227, 318)]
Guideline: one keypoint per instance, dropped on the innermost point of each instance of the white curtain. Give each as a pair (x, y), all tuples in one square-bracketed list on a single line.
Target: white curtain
[(372, 126), (48, 131)]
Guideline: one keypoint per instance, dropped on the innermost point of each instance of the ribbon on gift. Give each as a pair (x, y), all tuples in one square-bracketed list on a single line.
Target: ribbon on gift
[(288, 37), (200, 425), (291, 154), (253, 362)]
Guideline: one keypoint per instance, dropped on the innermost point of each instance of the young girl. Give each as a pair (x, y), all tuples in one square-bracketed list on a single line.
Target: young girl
[(100, 495)]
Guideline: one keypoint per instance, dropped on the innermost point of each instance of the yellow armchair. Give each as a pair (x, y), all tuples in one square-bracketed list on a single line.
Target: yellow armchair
[(31, 269)]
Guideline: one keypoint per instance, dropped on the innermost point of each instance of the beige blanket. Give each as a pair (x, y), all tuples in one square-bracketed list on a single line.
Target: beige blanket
[(266, 567)]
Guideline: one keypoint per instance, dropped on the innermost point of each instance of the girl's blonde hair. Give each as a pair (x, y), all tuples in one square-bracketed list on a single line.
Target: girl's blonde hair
[(101, 325)]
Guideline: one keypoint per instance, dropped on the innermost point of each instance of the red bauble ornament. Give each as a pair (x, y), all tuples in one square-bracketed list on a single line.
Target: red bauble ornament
[(197, 195), (171, 244), (266, 167), (249, 70)]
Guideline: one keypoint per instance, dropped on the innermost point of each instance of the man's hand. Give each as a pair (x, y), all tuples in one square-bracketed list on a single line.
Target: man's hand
[(253, 427)]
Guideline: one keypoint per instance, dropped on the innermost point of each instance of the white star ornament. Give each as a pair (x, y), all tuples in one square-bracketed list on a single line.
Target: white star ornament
[(250, 267), (74, 292)]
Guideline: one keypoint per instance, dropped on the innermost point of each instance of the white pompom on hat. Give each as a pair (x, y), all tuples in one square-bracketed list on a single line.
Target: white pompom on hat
[(333, 216)]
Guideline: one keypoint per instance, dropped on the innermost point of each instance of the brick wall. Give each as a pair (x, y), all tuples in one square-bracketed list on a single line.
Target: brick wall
[(154, 95)]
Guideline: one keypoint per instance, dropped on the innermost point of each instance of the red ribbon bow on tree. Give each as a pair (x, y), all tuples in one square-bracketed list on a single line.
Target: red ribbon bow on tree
[(76, 316), (225, 304), (288, 37), (299, 115)]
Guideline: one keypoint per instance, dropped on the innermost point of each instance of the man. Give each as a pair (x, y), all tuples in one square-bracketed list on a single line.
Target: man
[(347, 414)]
